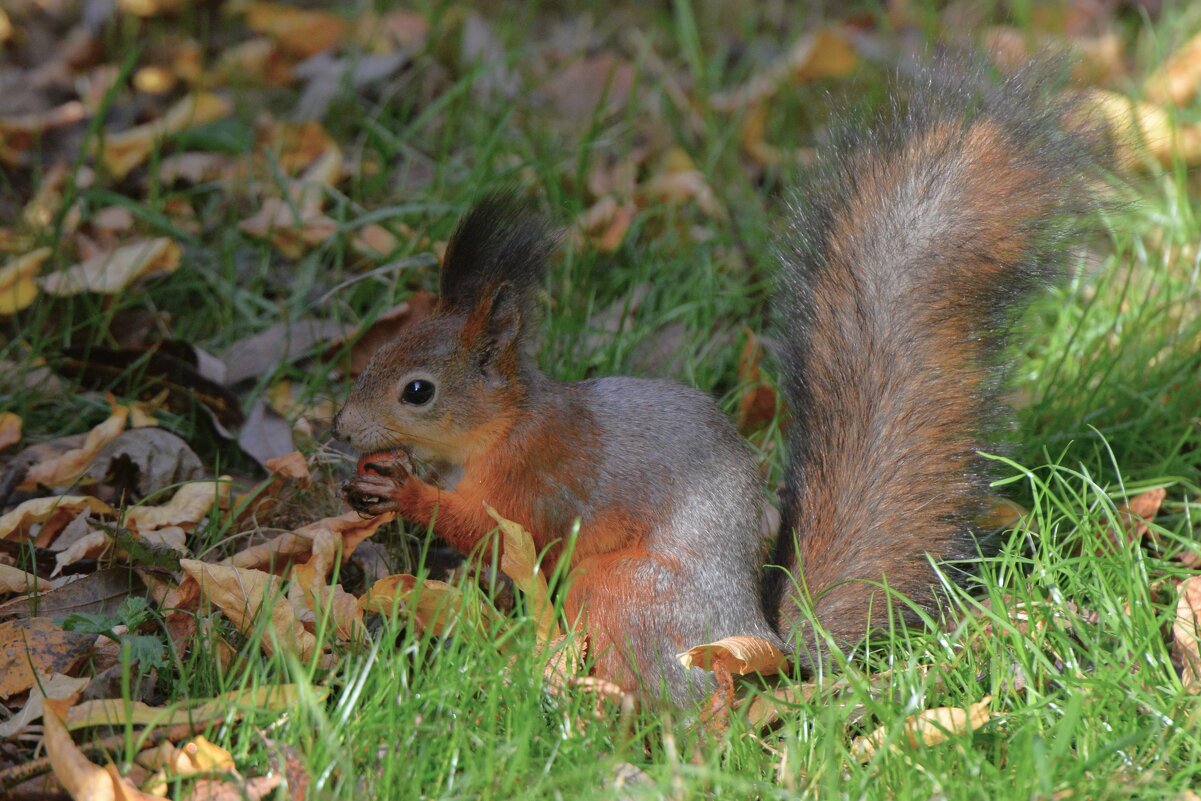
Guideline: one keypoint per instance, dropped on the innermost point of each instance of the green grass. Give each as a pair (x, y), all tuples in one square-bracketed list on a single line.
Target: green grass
[(1107, 372)]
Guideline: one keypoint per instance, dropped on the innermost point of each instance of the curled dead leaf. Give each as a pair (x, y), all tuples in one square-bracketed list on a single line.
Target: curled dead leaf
[(928, 727), (43, 510), (64, 469), (17, 285), (122, 152), (190, 504), (1186, 633), (242, 594), (110, 273), (436, 607), (1178, 77), (519, 561), (10, 429), (738, 655)]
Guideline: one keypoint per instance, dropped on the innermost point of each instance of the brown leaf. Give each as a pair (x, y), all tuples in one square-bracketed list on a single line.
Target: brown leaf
[(293, 231), (190, 504), (1001, 514), (244, 790), (29, 648), (241, 594), (736, 655), (83, 780), (1138, 124), (298, 32), (44, 510), (10, 429), (929, 727), (826, 53), (577, 91), (62, 470), (519, 561), (310, 594), (1138, 512), (88, 546), (391, 324), (198, 755), (293, 466), (1186, 631), (14, 579), (56, 685), (604, 224), (17, 285), (122, 152), (436, 607), (110, 273), (1178, 77), (120, 712)]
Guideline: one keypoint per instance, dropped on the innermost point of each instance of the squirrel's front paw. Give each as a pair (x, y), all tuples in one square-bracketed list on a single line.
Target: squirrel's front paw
[(371, 494)]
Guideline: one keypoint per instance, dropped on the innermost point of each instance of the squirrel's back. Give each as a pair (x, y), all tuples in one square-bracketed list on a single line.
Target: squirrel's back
[(910, 252)]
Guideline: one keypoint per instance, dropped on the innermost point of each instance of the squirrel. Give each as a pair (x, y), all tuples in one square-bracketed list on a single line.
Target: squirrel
[(912, 248)]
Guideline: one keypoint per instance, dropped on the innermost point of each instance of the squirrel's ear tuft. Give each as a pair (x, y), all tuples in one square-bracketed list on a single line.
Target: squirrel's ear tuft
[(500, 241)]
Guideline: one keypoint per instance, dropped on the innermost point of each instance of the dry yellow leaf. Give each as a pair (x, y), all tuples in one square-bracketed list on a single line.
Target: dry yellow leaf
[(928, 727), (198, 755), (1178, 77), (292, 465), (82, 780), (1136, 123), (290, 229), (89, 545), (299, 32), (13, 579), (62, 470), (231, 705), (110, 273), (310, 595), (56, 685), (121, 152), (826, 53), (519, 561), (41, 510), (150, 8), (241, 594), (35, 647), (17, 285), (436, 606), (10, 429), (738, 655), (187, 507), (1186, 632)]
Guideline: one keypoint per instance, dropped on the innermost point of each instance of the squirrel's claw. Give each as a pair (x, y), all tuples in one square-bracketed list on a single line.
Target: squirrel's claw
[(371, 494)]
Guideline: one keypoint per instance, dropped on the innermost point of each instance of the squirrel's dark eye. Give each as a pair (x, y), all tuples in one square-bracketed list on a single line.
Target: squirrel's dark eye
[(418, 392)]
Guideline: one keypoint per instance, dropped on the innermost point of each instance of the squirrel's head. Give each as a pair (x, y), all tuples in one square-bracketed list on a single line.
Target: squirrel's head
[(450, 383)]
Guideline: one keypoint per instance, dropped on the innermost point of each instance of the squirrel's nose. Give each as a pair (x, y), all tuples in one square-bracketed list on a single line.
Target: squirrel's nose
[(338, 432)]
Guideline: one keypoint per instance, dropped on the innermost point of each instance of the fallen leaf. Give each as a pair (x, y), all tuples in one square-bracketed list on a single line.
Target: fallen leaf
[(278, 345), (1135, 515), (143, 461), (309, 592), (928, 727), (110, 273), (389, 325), (519, 561), (1186, 631), (122, 152), (190, 504), (98, 593), (17, 285), (89, 546), (300, 33), (10, 429), (1176, 80), (577, 91), (198, 755), (1001, 514), (61, 471), (292, 465), (604, 224), (56, 685), (13, 579), (738, 655), (21, 132), (43, 510), (225, 790), (37, 647), (121, 712), (826, 53), (241, 595), (83, 780), (1134, 123), (436, 607)]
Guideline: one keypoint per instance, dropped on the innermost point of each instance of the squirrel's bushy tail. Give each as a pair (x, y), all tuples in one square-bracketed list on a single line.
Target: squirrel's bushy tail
[(911, 251)]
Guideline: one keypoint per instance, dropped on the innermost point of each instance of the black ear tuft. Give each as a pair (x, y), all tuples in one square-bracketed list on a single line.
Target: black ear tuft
[(500, 241)]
